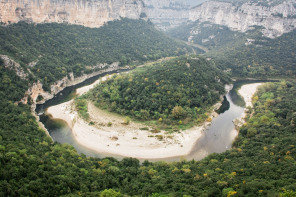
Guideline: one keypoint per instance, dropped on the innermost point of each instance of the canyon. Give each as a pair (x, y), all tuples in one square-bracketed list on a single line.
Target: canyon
[(80, 12), (274, 18), (167, 14)]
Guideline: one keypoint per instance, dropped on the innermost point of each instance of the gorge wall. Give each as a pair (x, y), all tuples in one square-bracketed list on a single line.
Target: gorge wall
[(92, 13), (276, 19), (166, 14)]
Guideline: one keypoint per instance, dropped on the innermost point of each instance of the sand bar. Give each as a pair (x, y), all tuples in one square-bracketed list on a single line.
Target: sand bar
[(247, 91), (108, 134)]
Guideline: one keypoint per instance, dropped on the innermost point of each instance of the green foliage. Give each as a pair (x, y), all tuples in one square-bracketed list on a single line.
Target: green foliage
[(262, 162), (58, 49), (260, 165), (178, 112), (127, 120), (10, 82), (170, 90), (209, 35), (81, 107), (261, 57), (110, 193), (288, 193)]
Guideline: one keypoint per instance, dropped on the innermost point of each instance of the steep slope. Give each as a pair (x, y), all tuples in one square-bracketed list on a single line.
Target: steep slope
[(276, 17), (53, 51), (254, 38), (248, 54), (254, 55), (81, 12), (167, 14)]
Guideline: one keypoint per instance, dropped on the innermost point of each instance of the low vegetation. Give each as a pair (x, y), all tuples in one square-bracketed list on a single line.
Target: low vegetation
[(81, 107)]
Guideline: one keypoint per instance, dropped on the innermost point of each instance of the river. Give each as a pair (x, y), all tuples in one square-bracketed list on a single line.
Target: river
[(217, 138)]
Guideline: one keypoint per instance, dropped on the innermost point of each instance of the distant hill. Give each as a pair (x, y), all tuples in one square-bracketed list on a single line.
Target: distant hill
[(248, 38)]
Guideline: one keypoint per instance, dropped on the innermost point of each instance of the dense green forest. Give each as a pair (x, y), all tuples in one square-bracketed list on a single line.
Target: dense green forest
[(262, 162), (265, 57), (247, 54), (182, 88), (209, 35), (51, 51)]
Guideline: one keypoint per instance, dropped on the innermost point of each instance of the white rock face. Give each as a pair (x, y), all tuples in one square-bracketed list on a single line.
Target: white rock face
[(36, 89), (12, 65), (276, 20), (92, 13), (167, 14)]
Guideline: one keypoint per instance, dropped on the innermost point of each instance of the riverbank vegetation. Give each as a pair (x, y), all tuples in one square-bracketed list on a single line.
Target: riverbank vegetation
[(262, 162), (52, 51), (81, 107), (174, 92)]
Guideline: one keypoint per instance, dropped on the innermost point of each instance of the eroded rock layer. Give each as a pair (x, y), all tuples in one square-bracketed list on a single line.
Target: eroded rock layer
[(89, 13), (276, 19)]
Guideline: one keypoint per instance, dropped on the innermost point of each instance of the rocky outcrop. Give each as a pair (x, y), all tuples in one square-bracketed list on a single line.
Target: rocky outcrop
[(71, 80), (275, 19), (37, 90), (34, 91), (89, 13), (12, 65), (166, 14)]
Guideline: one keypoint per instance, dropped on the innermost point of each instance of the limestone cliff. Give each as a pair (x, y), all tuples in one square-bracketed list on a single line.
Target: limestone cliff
[(12, 65), (89, 13), (167, 14), (276, 19), (37, 88)]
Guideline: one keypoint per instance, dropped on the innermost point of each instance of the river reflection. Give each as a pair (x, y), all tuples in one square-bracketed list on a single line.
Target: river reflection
[(219, 136)]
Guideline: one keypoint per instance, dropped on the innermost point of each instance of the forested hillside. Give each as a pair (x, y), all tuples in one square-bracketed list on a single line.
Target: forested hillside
[(51, 51), (247, 54), (262, 57), (262, 162), (172, 95), (209, 35), (179, 89)]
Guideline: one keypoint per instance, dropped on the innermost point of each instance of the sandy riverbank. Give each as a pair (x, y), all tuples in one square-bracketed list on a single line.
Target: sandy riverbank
[(110, 135), (124, 140), (247, 92)]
